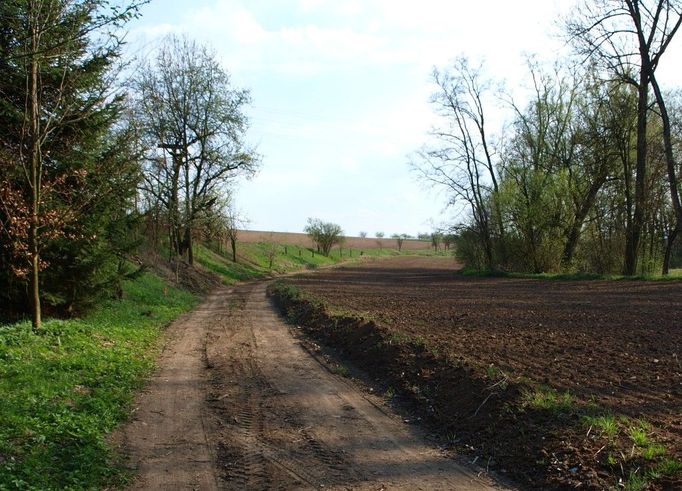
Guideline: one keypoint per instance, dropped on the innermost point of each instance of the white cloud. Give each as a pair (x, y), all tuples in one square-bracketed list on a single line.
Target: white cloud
[(230, 20)]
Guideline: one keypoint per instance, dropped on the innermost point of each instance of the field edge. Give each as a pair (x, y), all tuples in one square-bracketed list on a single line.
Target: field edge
[(547, 427)]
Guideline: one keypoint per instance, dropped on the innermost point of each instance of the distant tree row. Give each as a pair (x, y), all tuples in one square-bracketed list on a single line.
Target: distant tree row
[(585, 177)]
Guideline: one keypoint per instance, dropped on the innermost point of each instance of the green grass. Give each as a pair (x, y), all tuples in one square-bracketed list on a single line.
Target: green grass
[(548, 399), (64, 388), (253, 261), (606, 424), (640, 434), (341, 370)]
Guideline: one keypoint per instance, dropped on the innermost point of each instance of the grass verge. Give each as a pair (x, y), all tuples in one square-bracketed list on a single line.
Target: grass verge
[(64, 388)]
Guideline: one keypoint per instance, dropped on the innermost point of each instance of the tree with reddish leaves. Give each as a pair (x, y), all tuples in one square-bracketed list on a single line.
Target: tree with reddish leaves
[(61, 170)]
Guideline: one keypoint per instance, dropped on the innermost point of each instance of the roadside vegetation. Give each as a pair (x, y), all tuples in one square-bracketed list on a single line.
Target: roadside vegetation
[(65, 387)]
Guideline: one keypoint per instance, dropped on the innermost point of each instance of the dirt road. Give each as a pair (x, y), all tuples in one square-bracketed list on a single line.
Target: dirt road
[(238, 403)]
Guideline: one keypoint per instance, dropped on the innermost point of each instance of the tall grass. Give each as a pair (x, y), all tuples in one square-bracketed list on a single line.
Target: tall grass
[(62, 389)]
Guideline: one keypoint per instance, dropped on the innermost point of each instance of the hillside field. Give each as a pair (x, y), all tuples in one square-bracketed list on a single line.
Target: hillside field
[(300, 239)]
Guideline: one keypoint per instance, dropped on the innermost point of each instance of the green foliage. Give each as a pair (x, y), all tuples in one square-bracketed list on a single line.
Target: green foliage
[(341, 370), (63, 388), (606, 424), (561, 189), (669, 467), (324, 234), (469, 250), (636, 482), (88, 176)]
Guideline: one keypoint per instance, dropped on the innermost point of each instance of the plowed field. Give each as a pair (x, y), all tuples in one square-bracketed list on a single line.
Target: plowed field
[(593, 349)]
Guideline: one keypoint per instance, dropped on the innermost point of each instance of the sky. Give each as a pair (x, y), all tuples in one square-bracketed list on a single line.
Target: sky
[(340, 92)]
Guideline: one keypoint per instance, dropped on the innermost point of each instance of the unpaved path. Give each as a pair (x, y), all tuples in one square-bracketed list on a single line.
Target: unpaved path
[(238, 404)]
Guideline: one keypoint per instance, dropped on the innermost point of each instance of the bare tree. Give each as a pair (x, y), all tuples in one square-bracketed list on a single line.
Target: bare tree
[(187, 106), (271, 247), (461, 158), (399, 240), (380, 236), (224, 222), (363, 234), (629, 38)]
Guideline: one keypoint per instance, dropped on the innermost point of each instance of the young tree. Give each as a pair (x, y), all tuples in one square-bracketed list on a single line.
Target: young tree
[(436, 240), (380, 237), (324, 234), (57, 105), (223, 222), (460, 159), (271, 248), (399, 240), (188, 108)]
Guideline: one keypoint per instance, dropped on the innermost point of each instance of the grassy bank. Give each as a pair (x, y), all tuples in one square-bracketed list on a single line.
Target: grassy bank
[(253, 260), (64, 388)]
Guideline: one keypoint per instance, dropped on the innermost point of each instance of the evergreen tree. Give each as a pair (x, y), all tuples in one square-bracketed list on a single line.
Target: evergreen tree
[(65, 179)]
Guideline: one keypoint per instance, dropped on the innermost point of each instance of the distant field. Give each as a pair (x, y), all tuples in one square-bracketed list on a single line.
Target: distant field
[(302, 240)]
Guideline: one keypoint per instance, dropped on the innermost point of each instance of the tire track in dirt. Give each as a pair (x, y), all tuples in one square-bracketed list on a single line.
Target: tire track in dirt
[(283, 421), (239, 404), (166, 438)]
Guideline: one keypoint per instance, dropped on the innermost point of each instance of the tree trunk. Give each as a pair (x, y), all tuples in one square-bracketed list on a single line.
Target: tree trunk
[(575, 230), (233, 243), (188, 245), (669, 244), (35, 176), (635, 231), (672, 174), (174, 212)]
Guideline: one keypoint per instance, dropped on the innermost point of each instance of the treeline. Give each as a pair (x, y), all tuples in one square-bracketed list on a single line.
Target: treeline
[(585, 176), (97, 156)]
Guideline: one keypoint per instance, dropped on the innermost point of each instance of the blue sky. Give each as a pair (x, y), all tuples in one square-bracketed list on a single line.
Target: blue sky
[(340, 93)]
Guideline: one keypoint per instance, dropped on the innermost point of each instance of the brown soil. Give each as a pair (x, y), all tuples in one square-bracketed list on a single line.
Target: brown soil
[(239, 403), (464, 348)]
